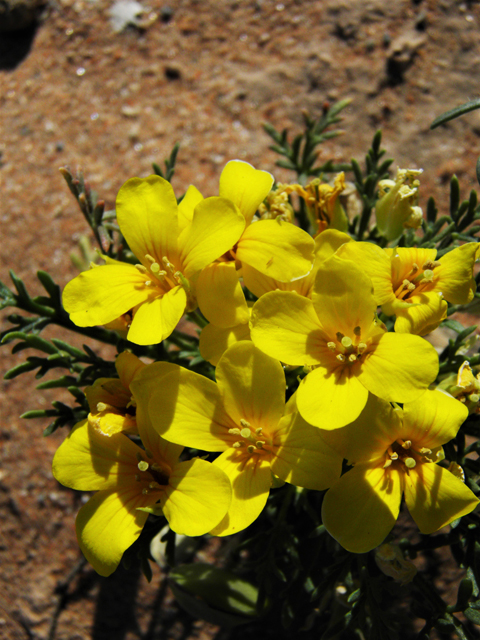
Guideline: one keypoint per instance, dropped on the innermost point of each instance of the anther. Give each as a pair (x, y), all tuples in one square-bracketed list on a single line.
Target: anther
[(406, 284), (143, 465), (250, 448), (339, 336), (234, 432), (331, 345), (149, 453), (156, 467), (429, 264), (245, 433), (259, 444), (145, 492), (346, 342), (154, 485), (148, 283), (340, 357), (149, 258), (259, 431), (410, 463), (414, 268), (357, 331), (141, 268), (245, 423), (352, 357), (361, 347), (388, 463), (238, 444), (406, 444), (425, 451), (101, 406)]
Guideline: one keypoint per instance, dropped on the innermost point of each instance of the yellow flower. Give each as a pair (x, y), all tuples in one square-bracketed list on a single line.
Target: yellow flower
[(322, 202), (412, 284), (350, 353), (395, 452), (274, 247), (110, 400), (193, 495), (170, 251), (244, 416), (397, 205), (214, 340)]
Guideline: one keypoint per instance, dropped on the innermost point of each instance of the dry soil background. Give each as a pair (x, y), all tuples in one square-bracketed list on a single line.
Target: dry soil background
[(206, 74)]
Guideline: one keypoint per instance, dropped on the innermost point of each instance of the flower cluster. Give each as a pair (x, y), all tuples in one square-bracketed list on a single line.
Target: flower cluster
[(276, 300)]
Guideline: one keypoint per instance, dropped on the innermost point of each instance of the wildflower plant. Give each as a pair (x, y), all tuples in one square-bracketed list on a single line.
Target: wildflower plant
[(274, 387)]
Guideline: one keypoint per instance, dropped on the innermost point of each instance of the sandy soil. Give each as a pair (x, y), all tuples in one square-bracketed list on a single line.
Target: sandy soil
[(206, 74)]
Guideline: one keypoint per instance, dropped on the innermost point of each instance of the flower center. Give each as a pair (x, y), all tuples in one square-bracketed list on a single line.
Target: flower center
[(251, 441), (153, 474), (348, 350), (164, 277), (402, 454), (417, 280)]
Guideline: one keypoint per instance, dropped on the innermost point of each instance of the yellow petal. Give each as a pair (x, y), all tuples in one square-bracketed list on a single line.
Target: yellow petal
[(220, 295), (328, 242), (285, 326), (187, 206), (331, 399), (368, 437), (400, 368), (304, 458), (435, 497), (110, 523), (148, 218), (277, 248), (197, 498), (422, 316), (214, 341), (251, 481), (215, 228), (360, 509), (375, 262), (143, 387), (252, 385), (186, 409), (245, 186), (433, 420), (127, 366), (455, 274), (88, 461), (157, 318), (343, 297), (104, 293)]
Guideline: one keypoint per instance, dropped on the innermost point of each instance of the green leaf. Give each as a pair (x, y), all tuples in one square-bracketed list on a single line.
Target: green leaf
[(473, 615), (455, 113), (19, 369)]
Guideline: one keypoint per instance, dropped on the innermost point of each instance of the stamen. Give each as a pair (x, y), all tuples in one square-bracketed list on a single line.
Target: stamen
[(143, 465), (156, 467), (145, 492), (429, 264), (331, 346), (414, 268), (101, 406), (141, 268), (361, 347), (259, 444), (411, 287), (149, 453), (346, 342), (250, 448), (154, 485), (357, 331), (238, 444), (410, 463), (148, 283), (427, 276), (245, 423), (340, 357), (424, 451), (149, 258), (259, 431), (245, 433), (406, 444), (352, 357), (406, 284), (234, 432), (388, 463), (339, 336)]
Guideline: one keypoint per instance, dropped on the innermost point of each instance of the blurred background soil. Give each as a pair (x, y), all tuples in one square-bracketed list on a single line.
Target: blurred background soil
[(77, 89)]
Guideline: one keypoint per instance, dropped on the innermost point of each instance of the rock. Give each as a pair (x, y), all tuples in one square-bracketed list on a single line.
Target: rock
[(125, 13), (18, 14)]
